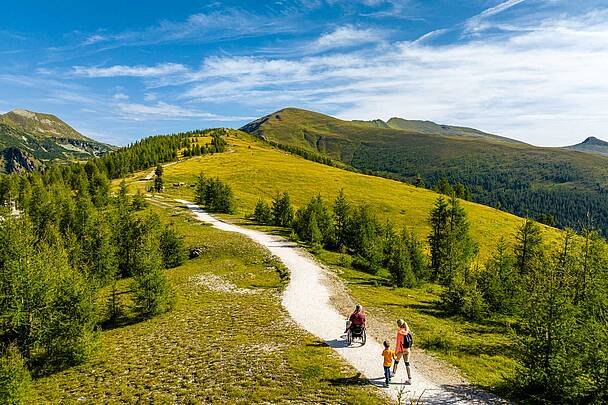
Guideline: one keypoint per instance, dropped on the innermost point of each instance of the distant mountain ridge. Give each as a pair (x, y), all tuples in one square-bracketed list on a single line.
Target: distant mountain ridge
[(29, 140), (429, 127), (591, 145), (500, 172)]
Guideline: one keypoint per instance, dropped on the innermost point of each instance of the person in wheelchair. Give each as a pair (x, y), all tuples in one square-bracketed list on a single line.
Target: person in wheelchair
[(356, 320), (355, 326)]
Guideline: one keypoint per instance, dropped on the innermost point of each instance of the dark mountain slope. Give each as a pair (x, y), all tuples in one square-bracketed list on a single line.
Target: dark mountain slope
[(591, 145), (43, 138), (517, 177)]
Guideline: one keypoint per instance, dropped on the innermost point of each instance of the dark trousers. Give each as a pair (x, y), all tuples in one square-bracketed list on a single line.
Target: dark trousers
[(387, 374)]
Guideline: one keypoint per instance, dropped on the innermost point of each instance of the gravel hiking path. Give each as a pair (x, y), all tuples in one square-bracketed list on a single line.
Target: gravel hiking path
[(307, 299)]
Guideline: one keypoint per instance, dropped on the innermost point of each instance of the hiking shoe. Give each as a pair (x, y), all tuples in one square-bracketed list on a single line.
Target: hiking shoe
[(385, 385), (409, 382)]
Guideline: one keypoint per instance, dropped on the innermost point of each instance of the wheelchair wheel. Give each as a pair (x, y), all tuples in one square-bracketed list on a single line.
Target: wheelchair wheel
[(349, 337), (363, 338)]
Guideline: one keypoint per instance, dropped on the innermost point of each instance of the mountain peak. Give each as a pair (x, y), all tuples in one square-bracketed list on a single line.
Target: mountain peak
[(592, 140), (23, 113), (40, 124)]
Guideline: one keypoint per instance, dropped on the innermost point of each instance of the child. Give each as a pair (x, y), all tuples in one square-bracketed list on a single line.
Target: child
[(388, 355)]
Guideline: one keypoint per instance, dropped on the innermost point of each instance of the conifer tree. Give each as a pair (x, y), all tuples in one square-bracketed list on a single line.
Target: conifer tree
[(282, 211), (139, 201), (159, 182), (262, 213), (499, 282), (342, 216), (152, 293), (528, 248), (15, 379), (365, 240), (452, 248), (399, 263), (417, 257), (439, 237), (172, 248)]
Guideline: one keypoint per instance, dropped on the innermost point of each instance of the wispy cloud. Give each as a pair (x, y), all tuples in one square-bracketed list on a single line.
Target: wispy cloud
[(133, 71), (161, 110), (207, 27), (543, 79), (347, 36), (477, 22)]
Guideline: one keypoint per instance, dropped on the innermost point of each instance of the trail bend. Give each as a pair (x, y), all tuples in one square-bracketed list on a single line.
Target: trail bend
[(307, 299)]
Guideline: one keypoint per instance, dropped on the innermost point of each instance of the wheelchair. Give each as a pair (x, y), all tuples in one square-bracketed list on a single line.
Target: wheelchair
[(356, 332)]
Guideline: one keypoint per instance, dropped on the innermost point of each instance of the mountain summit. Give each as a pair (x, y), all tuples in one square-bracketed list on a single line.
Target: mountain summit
[(591, 145), (29, 139)]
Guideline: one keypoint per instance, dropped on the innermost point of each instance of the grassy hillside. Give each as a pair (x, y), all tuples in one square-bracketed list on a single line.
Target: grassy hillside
[(519, 178), (256, 170), (481, 350), (227, 341)]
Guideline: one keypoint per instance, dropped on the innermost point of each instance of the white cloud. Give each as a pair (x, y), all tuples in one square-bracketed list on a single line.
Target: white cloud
[(120, 96), (347, 36), (93, 39), (161, 110), (477, 23), (545, 84), (162, 69)]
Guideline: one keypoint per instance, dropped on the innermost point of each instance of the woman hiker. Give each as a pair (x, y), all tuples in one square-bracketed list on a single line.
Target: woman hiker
[(403, 348)]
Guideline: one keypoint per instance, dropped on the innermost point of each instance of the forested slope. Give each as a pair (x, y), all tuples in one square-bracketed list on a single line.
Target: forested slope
[(519, 178)]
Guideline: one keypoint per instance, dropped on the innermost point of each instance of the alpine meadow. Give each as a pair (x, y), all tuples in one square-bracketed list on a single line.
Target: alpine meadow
[(324, 202)]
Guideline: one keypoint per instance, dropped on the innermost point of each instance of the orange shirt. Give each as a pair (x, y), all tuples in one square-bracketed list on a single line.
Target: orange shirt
[(388, 357)]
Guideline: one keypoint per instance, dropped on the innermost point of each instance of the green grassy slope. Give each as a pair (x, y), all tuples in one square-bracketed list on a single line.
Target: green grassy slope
[(520, 178), (227, 341), (482, 351), (256, 170)]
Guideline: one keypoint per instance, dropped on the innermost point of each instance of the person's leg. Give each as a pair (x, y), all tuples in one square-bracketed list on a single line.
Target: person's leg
[(406, 360), (387, 374), (397, 358)]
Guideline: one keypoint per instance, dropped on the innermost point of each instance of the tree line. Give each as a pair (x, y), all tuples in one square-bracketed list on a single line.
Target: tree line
[(344, 227), (558, 295), (65, 245)]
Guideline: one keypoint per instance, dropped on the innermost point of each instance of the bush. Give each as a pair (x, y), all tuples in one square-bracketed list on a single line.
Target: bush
[(262, 213), (172, 248), (153, 294), (361, 263), (15, 380), (215, 195)]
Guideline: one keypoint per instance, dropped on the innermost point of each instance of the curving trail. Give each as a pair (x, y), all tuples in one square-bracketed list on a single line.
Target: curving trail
[(307, 299)]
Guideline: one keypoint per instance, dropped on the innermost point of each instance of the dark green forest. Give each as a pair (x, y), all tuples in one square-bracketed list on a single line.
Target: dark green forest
[(66, 243)]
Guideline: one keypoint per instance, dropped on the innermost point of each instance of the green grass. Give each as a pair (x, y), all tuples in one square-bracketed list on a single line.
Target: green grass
[(521, 178), (216, 346), (483, 351), (256, 170)]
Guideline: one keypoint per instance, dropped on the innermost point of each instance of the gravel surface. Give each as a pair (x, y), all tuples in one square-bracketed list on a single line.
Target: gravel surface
[(308, 299)]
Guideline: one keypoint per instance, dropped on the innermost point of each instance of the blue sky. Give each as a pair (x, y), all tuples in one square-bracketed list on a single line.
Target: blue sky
[(534, 70)]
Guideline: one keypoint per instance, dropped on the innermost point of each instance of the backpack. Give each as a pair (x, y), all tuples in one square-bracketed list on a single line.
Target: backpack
[(408, 340)]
